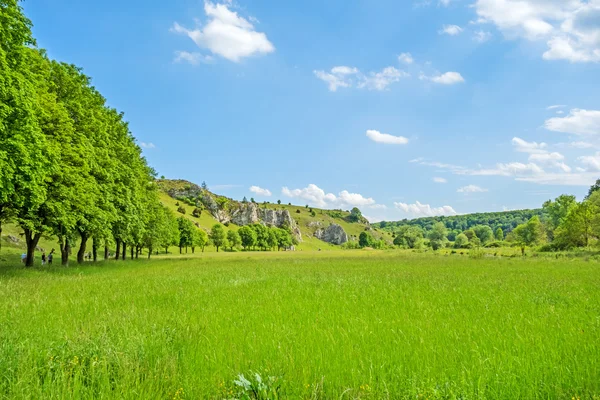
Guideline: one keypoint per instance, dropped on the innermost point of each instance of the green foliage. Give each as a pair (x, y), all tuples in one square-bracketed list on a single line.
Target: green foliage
[(438, 236), (197, 212), (365, 239), (461, 242), (181, 210), (410, 237), (247, 236), (355, 215), (218, 237), (234, 240), (484, 233), (499, 234), (531, 233)]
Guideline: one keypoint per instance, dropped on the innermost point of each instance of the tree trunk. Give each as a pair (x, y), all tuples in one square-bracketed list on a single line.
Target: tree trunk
[(149, 252), (0, 235), (95, 249), (131, 252), (65, 249), (137, 252), (180, 249), (118, 251), (124, 257), (82, 246), (523, 251), (193, 250), (106, 252), (32, 240)]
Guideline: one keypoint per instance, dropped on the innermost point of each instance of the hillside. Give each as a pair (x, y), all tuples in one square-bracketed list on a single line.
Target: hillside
[(506, 220), (216, 208)]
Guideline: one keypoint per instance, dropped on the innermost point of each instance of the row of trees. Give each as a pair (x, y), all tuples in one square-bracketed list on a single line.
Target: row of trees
[(69, 166)]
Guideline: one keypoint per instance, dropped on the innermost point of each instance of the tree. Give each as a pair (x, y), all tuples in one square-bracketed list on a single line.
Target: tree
[(244, 200), (558, 210), (199, 239), (461, 242), (594, 188), (262, 236), (484, 233), (234, 240), (186, 233), (247, 236), (218, 236), (365, 239), (252, 200), (499, 234), (438, 236), (470, 234), (577, 228), (529, 234), (410, 237), (355, 215), (196, 213), (279, 202), (204, 186), (284, 239)]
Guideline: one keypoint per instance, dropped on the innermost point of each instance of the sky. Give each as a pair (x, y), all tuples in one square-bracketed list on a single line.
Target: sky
[(403, 109)]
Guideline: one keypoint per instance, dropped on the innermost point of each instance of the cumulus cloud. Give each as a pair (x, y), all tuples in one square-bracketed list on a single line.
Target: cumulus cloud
[(523, 146), (578, 122), (260, 191), (315, 196), (147, 145), (440, 180), (472, 189), (591, 163), (424, 210), (482, 36), (227, 34), (379, 137), (448, 78), (406, 58), (192, 58), (451, 30), (343, 76), (569, 28)]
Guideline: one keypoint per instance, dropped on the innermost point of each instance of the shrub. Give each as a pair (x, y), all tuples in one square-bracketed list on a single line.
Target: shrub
[(197, 212), (181, 210), (297, 211)]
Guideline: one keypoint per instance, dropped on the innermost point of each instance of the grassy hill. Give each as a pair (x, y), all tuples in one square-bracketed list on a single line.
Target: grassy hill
[(307, 223)]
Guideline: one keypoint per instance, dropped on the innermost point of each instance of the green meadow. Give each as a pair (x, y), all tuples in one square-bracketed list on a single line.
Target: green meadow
[(312, 325)]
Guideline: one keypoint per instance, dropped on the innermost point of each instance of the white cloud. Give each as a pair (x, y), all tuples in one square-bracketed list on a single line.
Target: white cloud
[(260, 191), (148, 145), (424, 210), (570, 28), (343, 76), (472, 189), (581, 145), (379, 137), (227, 34), (592, 163), (451, 30), (381, 80), (315, 196), (406, 58), (482, 36), (448, 78), (578, 122), (555, 107), (528, 147), (440, 180), (192, 58), (445, 3)]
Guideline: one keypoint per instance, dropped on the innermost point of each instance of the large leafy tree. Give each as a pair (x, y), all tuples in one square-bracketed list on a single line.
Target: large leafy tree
[(248, 237), (529, 234), (218, 236), (438, 236)]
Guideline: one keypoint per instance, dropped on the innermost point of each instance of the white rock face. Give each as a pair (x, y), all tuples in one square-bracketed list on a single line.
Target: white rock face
[(247, 214), (334, 234)]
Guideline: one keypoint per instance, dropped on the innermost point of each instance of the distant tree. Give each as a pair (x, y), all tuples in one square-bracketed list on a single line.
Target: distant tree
[(529, 234), (245, 200), (284, 239), (410, 237), (438, 236), (262, 236), (289, 204), (594, 188), (355, 215), (313, 213), (218, 237), (247, 236), (365, 239), (470, 234), (279, 202), (297, 211), (484, 233), (199, 239), (204, 186), (234, 239), (252, 200), (306, 206), (162, 177), (273, 237), (461, 241), (499, 234)]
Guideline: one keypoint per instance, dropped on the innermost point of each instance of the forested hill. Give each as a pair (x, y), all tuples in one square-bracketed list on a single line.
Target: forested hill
[(507, 220)]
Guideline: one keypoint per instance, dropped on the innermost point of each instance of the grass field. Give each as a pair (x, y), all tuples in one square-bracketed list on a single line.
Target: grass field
[(326, 325)]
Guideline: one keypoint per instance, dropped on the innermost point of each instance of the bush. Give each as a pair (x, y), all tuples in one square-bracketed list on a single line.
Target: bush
[(181, 210), (297, 211), (493, 245), (197, 212)]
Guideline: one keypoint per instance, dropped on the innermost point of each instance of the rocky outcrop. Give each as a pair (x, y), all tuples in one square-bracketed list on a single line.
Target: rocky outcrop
[(280, 219), (246, 214), (211, 205), (334, 234)]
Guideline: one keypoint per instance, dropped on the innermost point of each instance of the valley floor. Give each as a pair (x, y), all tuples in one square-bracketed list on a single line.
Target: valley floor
[(353, 324)]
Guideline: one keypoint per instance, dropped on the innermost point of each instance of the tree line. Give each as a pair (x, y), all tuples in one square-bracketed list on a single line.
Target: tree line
[(69, 166)]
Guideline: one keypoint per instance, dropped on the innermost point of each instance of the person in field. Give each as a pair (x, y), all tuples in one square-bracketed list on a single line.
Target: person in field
[(23, 258), (43, 258), (50, 257)]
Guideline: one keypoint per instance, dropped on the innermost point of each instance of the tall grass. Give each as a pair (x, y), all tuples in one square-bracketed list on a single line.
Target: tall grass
[(343, 325)]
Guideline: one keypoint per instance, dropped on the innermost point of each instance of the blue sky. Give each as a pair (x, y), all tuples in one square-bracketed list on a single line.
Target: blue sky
[(404, 109)]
